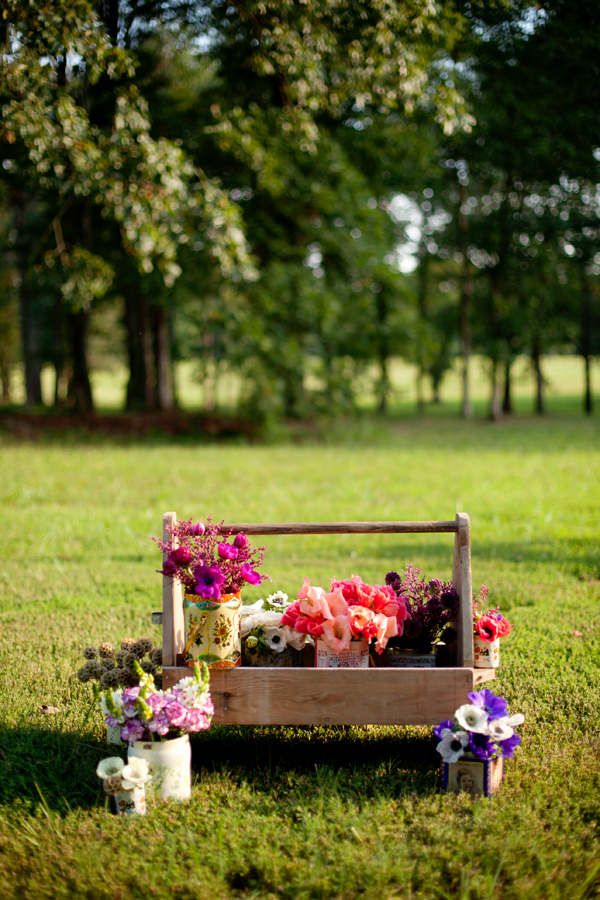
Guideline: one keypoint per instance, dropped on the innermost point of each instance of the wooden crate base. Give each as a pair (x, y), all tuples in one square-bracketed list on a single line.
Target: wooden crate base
[(256, 696)]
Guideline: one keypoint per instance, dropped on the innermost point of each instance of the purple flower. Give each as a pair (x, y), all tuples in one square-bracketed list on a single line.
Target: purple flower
[(198, 529), (249, 574), (110, 720), (227, 551), (131, 694), (481, 746), (176, 714), (509, 746), (196, 720), (169, 569), (439, 728), (494, 706), (156, 702), (208, 581), (133, 730), (181, 556), (160, 723), (240, 541)]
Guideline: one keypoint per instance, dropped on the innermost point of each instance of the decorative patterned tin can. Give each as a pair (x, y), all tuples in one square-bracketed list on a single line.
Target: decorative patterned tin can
[(131, 803), (212, 631), (410, 659), (486, 653), (170, 764), (479, 778), (357, 657)]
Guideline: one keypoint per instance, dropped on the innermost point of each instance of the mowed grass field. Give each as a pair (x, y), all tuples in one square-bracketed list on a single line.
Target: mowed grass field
[(315, 812)]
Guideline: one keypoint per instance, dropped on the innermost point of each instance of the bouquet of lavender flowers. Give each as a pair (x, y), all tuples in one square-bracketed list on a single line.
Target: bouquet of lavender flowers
[(202, 559), (481, 728), (144, 713), (431, 607)]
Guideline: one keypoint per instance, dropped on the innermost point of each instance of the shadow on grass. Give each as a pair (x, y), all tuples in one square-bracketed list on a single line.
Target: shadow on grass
[(47, 766), (359, 762)]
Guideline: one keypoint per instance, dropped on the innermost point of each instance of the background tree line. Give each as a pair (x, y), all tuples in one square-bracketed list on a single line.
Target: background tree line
[(237, 179)]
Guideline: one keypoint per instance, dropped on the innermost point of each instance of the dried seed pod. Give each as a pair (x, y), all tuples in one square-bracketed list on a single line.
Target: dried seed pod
[(138, 649), (90, 653), (127, 644), (146, 643), (95, 669), (83, 675), (158, 681), (131, 679), (128, 662), (113, 785), (106, 680), (108, 664), (106, 650), (148, 667), (120, 674), (156, 656), (120, 656)]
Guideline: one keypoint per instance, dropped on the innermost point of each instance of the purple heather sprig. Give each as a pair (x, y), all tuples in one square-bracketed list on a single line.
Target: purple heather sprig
[(431, 606), (206, 563)]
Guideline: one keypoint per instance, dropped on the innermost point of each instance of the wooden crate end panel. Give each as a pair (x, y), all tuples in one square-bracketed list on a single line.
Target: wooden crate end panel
[(334, 697)]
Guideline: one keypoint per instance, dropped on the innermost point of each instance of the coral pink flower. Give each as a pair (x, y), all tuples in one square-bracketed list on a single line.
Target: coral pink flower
[(337, 634), (336, 603), (387, 627), (504, 627), (306, 625), (487, 628), (361, 618), (313, 601), (290, 615)]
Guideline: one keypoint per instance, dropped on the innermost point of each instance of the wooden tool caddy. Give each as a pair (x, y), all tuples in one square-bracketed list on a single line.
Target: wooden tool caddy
[(310, 696)]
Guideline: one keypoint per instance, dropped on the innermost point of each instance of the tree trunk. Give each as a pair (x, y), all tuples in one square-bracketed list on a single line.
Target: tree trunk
[(29, 337), (495, 411), (162, 358), (422, 299), (140, 388), (507, 401), (466, 301), (383, 352), (5, 381), (536, 356), (586, 338), (80, 389)]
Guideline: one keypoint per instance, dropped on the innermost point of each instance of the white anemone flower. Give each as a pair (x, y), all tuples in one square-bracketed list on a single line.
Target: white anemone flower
[(452, 746), (293, 638), (136, 772), (109, 768), (279, 599), (500, 730), (472, 718), (275, 638), (252, 609), (515, 720)]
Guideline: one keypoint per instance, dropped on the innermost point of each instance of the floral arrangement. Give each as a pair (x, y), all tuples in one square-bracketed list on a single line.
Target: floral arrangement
[(488, 624), (206, 563), (146, 713), (113, 668), (262, 629), (352, 610), (118, 777), (430, 605), (482, 728)]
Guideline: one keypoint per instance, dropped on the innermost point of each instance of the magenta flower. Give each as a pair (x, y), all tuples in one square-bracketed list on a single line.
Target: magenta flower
[(198, 529), (176, 714), (227, 551), (196, 720), (240, 541), (249, 574), (208, 581), (181, 556)]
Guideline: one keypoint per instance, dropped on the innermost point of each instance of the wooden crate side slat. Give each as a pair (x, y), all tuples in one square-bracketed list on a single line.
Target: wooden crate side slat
[(246, 696), (344, 528), (461, 579), (173, 625)]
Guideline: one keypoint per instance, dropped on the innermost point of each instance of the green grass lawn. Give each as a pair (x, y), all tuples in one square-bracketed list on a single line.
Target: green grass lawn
[(305, 813)]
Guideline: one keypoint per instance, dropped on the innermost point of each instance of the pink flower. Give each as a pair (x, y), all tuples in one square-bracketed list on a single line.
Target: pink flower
[(313, 601), (306, 625), (240, 541), (249, 574), (387, 627), (504, 626), (181, 556), (337, 634), (198, 529), (227, 551), (133, 730), (336, 603), (290, 615)]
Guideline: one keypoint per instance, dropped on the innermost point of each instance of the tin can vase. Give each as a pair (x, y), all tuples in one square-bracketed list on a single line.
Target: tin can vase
[(212, 631), (131, 803), (357, 657), (169, 764), (287, 659), (486, 654), (478, 778), (410, 659)]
